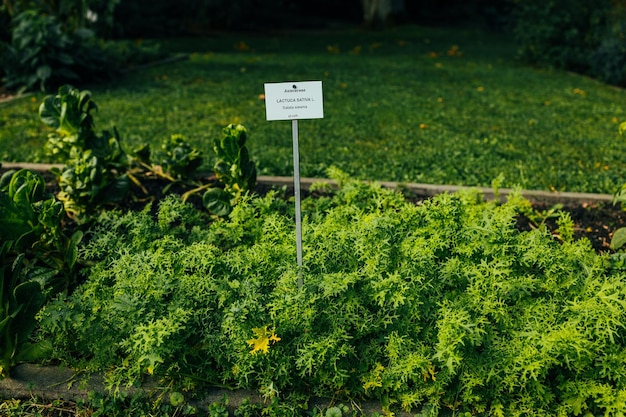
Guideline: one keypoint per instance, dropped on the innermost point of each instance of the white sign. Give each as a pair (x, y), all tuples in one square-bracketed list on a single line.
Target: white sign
[(294, 100)]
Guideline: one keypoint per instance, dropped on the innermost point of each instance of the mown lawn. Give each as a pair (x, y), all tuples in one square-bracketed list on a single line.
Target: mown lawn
[(410, 104)]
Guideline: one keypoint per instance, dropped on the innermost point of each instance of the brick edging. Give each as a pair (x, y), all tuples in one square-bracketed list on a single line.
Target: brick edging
[(429, 190)]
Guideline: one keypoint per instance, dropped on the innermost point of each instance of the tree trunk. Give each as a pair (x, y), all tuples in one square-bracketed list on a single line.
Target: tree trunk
[(379, 13)]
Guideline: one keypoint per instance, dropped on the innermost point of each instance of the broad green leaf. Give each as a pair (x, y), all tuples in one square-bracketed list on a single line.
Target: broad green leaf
[(50, 112), (619, 238), (72, 251), (6, 179), (116, 190), (30, 352), (228, 149), (29, 298), (26, 187), (5, 322), (217, 201)]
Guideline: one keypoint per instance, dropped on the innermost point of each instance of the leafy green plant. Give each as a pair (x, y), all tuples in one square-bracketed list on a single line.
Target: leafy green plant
[(44, 54), (52, 43), (440, 306), (37, 261), (21, 300), (33, 219), (39, 48), (218, 408), (180, 158), (98, 172), (95, 167), (248, 409), (73, 14), (233, 168), (556, 33), (177, 163)]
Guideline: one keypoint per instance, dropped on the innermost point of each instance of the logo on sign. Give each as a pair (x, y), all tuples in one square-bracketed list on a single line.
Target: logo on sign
[(295, 89)]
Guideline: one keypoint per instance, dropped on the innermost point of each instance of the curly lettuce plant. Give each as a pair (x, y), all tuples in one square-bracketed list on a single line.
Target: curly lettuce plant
[(442, 307)]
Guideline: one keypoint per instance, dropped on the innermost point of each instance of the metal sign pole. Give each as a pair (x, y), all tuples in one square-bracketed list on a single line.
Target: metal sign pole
[(296, 188)]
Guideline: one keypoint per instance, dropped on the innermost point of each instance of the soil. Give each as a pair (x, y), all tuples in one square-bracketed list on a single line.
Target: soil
[(596, 222)]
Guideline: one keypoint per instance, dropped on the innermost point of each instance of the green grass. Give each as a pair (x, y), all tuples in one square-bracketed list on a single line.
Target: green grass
[(393, 110)]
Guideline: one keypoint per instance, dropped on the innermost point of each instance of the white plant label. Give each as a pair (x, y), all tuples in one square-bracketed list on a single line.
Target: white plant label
[(294, 100)]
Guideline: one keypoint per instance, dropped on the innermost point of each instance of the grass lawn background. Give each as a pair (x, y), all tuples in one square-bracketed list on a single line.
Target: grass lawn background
[(410, 104)]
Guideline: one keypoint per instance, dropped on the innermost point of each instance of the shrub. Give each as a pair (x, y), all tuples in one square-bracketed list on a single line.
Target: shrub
[(53, 44), (73, 14), (608, 60), (441, 305), (43, 55), (583, 36), (39, 47), (559, 33)]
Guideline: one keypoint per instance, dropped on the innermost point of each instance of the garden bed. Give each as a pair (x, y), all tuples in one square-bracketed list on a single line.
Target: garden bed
[(363, 253)]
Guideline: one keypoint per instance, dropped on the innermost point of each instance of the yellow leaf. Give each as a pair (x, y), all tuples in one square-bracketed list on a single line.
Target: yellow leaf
[(454, 51), (261, 343), (242, 46)]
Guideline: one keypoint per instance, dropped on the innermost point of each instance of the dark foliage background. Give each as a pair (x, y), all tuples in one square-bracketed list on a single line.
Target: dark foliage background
[(585, 36)]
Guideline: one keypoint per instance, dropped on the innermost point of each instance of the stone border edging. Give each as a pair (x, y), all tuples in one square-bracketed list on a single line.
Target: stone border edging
[(51, 383), (9, 99), (428, 190)]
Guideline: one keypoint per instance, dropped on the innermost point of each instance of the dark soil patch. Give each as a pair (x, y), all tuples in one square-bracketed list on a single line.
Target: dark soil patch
[(594, 222)]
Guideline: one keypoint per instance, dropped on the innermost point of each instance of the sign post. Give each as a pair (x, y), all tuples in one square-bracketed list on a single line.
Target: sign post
[(296, 192), (294, 101)]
